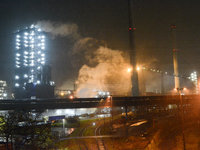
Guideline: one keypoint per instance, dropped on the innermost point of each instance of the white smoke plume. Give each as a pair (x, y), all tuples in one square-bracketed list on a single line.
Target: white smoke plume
[(103, 69), (110, 74), (59, 29)]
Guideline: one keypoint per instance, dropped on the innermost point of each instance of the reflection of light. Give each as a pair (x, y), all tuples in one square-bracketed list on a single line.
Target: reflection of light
[(71, 97)]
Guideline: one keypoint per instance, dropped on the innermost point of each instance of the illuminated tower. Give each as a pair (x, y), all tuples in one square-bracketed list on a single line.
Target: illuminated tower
[(175, 59), (29, 61), (133, 58)]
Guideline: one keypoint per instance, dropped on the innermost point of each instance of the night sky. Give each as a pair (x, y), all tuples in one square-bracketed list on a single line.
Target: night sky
[(107, 22)]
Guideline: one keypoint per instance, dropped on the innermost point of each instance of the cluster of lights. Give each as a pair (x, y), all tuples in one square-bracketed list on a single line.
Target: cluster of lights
[(3, 90), (102, 94), (193, 78), (30, 47)]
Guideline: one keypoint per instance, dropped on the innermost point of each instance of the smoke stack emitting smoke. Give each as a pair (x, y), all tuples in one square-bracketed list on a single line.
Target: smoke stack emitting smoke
[(105, 70)]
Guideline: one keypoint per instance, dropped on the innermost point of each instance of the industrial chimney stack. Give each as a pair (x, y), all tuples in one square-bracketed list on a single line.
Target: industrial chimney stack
[(133, 58), (175, 59)]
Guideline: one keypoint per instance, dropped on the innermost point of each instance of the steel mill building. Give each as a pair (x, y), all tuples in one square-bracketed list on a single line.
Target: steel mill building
[(32, 74)]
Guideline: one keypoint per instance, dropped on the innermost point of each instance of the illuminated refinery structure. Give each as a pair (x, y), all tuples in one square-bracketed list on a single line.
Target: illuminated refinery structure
[(32, 74), (3, 90), (190, 83), (193, 78)]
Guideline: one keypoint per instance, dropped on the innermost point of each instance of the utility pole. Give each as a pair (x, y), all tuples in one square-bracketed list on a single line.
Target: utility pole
[(133, 58)]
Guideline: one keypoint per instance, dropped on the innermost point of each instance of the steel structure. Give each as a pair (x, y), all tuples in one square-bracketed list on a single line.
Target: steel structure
[(30, 65)]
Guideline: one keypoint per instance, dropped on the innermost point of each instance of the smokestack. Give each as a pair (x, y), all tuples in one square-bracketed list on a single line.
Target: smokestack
[(175, 60), (133, 58)]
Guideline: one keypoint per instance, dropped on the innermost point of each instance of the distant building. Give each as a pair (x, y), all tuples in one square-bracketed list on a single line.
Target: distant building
[(3, 90), (31, 71)]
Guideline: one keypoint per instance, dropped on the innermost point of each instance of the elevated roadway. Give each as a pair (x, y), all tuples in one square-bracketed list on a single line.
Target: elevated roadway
[(19, 104)]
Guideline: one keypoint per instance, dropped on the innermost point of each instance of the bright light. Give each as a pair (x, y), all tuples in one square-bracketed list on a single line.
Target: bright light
[(138, 69), (25, 52), (16, 77), (93, 123), (61, 93), (129, 70), (16, 84), (71, 97)]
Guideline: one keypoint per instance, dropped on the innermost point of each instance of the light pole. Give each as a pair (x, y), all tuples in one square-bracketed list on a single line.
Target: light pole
[(64, 127), (111, 103), (182, 114)]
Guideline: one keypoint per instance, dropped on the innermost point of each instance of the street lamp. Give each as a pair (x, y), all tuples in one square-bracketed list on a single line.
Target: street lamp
[(182, 114)]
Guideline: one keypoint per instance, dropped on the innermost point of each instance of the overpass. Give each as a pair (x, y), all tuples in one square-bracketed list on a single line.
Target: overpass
[(41, 104)]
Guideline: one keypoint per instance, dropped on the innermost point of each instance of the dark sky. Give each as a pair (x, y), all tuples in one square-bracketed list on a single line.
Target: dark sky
[(107, 21)]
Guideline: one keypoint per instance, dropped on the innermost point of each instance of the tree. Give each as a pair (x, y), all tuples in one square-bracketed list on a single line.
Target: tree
[(21, 129)]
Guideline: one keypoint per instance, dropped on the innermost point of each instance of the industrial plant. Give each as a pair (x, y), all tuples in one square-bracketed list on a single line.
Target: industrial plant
[(32, 74)]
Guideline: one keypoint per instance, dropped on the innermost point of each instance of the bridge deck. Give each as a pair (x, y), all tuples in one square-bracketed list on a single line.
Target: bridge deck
[(95, 102)]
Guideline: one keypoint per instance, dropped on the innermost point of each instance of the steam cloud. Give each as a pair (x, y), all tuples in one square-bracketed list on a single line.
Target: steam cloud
[(110, 74), (59, 29), (104, 69)]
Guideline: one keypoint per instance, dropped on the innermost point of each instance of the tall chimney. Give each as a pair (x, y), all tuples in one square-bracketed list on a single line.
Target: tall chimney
[(175, 59), (133, 58)]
